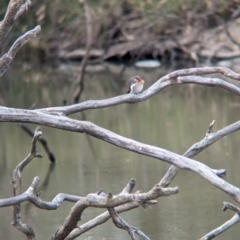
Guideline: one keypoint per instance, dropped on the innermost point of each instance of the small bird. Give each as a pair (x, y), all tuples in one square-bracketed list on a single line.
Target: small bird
[(136, 85)]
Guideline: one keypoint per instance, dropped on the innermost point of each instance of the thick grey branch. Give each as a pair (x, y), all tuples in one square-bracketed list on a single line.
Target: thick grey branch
[(196, 148), (102, 218), (65, 123), (109, 201)]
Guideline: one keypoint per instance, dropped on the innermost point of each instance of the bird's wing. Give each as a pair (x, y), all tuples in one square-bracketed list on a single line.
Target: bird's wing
[(129, 90)]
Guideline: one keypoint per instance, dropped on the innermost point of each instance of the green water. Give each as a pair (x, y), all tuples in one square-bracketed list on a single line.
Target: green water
[(174, 119)]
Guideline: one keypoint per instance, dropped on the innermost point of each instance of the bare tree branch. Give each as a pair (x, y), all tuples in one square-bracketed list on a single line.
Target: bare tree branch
[(17, 222), (231, 207), (109, 201), (231, 222), (102, 218), (120, 223), (55, 117), (196, 148), (168, 80), (65, 123), (7, 58), (15, 9), (42, 140), (209, 131), (31, 196)]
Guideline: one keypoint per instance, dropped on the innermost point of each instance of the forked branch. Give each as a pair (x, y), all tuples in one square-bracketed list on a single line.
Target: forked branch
[(107, 201), (17, 222)]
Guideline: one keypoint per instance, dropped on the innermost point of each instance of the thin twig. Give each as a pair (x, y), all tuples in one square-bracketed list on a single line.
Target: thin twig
[(88, 17), (42, 140), (230, 206)]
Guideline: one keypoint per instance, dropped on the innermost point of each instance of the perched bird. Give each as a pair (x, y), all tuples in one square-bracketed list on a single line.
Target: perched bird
[(136, 85)]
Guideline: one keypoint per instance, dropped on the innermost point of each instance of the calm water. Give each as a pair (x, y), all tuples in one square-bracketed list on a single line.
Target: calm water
[(174, 119)]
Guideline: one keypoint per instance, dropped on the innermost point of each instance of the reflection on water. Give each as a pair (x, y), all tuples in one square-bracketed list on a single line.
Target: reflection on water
[(174, 119)]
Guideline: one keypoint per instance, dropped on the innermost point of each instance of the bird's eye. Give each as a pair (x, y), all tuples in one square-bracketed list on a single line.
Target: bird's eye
[(134, 82)]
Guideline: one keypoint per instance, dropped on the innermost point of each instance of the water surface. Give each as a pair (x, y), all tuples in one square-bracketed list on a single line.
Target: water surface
[(174, 119)]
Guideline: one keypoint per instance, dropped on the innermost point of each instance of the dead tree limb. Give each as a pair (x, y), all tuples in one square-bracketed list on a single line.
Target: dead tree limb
[(120, 223), (65, 123), (17, 222), (196, 148), (231, 222), (102, 218), (56, 117), (15, 9), (31, 196), (108, 201), (7, 58), (41, 139), (190, 75)]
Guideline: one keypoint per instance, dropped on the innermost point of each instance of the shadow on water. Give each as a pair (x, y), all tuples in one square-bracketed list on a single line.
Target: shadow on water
[(174, 119)]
